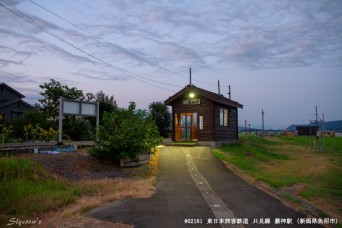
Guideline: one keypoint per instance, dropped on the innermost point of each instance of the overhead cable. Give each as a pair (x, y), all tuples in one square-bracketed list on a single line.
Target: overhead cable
[(136, 76)]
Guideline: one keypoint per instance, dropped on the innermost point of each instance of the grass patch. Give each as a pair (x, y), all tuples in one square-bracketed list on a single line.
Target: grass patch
[(277, 180), (332, 144), (248, 154), (285, 163), (291, 198), (26, 189)]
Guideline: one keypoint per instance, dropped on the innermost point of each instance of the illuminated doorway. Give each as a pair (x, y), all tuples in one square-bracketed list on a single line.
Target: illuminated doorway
[(186, 126)]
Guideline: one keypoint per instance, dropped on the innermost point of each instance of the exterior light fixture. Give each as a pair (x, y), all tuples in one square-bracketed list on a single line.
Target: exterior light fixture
[(191, 95)]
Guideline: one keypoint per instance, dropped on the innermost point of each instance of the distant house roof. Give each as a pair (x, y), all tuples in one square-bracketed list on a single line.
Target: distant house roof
[(219, 98), (11, 89)]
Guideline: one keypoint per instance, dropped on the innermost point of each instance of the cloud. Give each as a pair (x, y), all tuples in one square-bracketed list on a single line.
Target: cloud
[(13, 2), (262, 34), (15, 77), (11, 56), (38, 47), (284, 34), (100, 75)]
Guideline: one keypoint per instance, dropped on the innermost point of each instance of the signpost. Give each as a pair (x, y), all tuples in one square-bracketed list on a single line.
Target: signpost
[(77, 108)]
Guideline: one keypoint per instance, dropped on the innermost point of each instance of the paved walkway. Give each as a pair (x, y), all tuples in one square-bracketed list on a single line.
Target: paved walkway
[(195, 187)]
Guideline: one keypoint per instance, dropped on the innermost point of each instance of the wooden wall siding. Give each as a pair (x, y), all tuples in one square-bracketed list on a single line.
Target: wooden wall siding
[(229, 132), (205, 109)]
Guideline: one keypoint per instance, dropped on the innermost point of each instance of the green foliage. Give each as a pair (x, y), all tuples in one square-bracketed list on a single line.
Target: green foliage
[(14, 169), (52, 91), (5, 130), (78, 129), (126, 133), (106, 103), (38, 133), (161, 116), (26, 189), (31, 117)]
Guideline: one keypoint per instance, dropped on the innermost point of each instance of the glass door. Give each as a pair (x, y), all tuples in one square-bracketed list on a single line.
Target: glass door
[(186, 127)]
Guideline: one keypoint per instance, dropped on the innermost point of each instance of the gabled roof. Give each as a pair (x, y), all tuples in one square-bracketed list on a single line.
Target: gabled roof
[(218, 98), (11, 89), (6, 103)]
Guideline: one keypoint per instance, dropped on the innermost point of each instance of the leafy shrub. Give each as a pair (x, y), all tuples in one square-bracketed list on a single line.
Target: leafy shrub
[(78, 129), (31, 117), (126, 133)]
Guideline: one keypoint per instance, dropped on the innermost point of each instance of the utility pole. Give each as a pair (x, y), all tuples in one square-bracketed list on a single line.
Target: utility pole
[(249, 129), (218, 86), (316, 128), (323, 145), (262, 114), (190, 75), (245, 127), (229, 93)]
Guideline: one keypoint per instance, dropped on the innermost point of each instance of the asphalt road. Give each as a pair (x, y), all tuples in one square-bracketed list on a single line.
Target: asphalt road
[(195, 189)]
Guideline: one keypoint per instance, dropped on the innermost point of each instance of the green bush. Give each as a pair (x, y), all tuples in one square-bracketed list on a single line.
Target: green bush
[(31, 117), (126, 133), (78, 129)]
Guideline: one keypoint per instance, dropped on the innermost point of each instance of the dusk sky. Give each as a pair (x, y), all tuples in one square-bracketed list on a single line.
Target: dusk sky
[(281, 56)]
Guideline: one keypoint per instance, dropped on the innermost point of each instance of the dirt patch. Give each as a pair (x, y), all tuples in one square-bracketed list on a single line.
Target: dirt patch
[(78, 165)]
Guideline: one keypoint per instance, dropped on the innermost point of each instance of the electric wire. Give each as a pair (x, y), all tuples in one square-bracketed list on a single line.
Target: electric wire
[(99, 38), (123, 50), (136, 76)]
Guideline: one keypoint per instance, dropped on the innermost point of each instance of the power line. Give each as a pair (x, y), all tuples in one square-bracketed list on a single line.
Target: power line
[(136, 76), (116, 46), (99, 38)]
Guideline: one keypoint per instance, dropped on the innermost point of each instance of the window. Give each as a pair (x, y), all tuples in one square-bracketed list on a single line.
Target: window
[(223, 117), (201, 122), (176, 121)]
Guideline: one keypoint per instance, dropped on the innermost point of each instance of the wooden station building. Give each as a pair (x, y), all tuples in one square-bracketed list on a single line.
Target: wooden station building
[(202, 116)]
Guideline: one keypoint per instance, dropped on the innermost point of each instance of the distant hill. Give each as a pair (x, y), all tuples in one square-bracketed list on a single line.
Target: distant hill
[(328, 126)]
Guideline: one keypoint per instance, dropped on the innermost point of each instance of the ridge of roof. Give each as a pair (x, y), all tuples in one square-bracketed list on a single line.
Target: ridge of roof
[(219, 98), (13, 90)]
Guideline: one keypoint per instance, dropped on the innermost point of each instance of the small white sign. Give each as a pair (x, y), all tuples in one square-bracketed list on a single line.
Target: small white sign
[(88, 109), (192, 102), (71, 107), (201, 122)]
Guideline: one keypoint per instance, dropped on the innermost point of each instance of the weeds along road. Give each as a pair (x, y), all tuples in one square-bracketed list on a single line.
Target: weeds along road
[(195, 189)]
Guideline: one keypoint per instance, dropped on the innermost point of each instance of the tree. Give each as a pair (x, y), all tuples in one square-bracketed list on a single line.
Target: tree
[(161, 116), (52, 91), (106, 103)]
